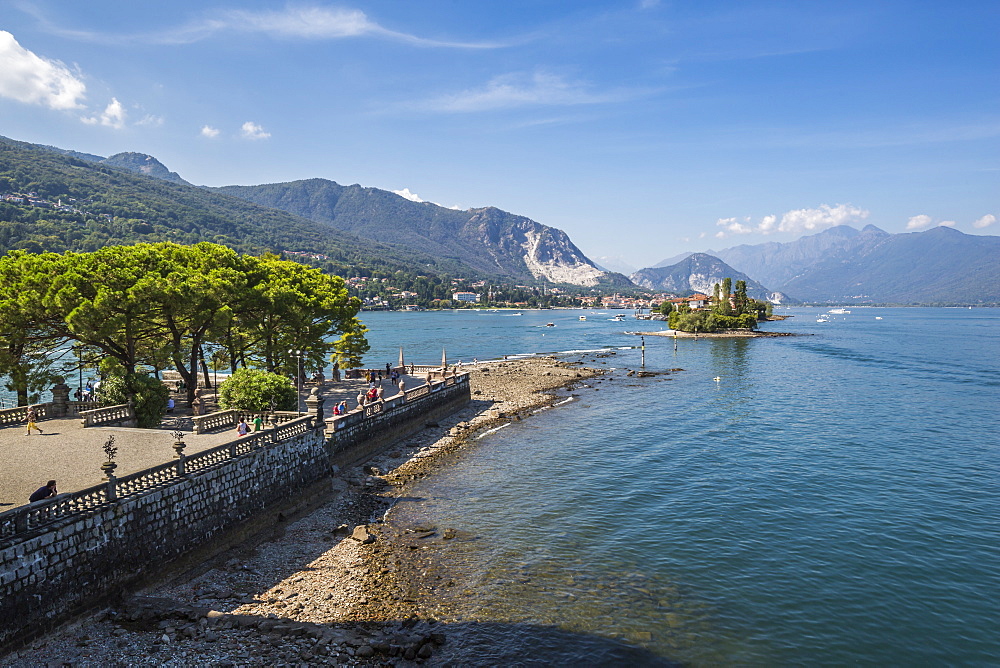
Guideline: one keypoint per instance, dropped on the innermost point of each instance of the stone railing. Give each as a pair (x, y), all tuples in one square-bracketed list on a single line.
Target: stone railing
[(32, 516), (120, 414), (229, 418), (206, 423), (408, 397), (25, 518), (19, 415), (418, 392)]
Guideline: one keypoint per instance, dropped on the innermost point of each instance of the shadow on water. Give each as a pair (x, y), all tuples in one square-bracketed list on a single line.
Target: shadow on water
[(495, 644)]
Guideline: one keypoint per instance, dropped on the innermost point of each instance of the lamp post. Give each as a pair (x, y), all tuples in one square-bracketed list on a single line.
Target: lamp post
[(298, 379), (79, 366)]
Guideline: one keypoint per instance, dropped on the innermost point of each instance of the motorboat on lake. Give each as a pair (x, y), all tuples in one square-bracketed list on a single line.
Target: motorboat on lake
[(583, 317)]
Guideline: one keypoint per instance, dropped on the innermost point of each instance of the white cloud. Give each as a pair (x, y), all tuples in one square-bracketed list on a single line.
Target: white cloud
[(919, 222), (521, 90), (296, 22), (113, 116), (405, 192), (947, 223), (795, 221), (209, 131), (732, 226), (985, 221), (251, 130), (32, 79), (151, 121), (808, 220)]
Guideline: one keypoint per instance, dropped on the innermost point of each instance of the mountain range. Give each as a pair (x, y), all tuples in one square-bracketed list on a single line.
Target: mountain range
[(347, 222), (131, 197), (845, 265), (700, 272), (488, 240)]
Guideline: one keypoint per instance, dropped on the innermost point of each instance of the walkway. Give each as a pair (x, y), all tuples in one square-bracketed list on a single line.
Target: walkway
[(72, 455)]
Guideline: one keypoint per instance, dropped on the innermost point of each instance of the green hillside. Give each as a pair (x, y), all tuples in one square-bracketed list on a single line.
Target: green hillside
[(101, 206)]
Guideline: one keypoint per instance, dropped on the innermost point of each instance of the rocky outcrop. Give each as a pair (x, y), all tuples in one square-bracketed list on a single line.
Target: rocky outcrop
[(140, 163), (487, 239)]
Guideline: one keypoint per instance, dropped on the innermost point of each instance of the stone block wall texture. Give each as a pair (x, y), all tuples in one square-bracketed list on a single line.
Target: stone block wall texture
[(65, 568)]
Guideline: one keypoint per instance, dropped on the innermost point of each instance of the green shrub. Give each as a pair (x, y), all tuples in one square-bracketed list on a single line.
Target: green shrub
[(150, 397), (256, 390)]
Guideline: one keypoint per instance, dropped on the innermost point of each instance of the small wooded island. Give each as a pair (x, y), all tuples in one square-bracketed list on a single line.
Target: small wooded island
[(726, 310)]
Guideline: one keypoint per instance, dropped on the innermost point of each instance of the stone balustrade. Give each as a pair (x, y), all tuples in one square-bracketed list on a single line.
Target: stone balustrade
[(122, 414), (19, 415), (229, 418)]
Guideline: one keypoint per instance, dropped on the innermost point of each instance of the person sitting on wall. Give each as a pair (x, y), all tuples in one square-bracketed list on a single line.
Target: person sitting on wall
[(42, 493)]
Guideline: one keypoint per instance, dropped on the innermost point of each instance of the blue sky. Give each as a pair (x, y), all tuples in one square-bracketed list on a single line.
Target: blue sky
[(641, 128)]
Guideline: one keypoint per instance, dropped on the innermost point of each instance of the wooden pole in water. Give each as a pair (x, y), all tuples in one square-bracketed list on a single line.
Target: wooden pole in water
[(643, 339)]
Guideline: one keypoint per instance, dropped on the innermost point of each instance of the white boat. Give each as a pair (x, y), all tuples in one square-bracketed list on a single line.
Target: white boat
[(583, 317), (619, 318), (838, 311), (550, 324)]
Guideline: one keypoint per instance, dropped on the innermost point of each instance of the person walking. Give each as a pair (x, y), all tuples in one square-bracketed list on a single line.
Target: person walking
[(258, 423), (42, 493), (242, 428), (31, 417)]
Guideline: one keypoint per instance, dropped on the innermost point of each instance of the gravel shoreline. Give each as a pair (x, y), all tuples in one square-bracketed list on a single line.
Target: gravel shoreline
[(332, 587)]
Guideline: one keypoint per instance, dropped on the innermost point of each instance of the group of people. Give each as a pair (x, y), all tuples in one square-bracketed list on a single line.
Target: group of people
[(242, 428), (87, 393)]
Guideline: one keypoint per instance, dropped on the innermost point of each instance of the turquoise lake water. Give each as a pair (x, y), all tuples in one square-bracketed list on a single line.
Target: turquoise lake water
[(831, 499)]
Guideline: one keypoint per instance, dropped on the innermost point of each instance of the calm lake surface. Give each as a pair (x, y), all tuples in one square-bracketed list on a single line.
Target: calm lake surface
[(831, 499)]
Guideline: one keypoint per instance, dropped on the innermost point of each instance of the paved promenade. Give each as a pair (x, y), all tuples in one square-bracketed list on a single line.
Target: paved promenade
[(72, 455)]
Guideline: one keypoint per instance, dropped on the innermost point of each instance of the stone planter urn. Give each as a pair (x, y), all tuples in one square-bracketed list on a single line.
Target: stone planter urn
[(109, 469), (179, 443)]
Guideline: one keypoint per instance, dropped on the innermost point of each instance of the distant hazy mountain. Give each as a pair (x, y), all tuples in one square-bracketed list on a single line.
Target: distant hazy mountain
[(938, 266), (488, 240), (616, 264), (670, 261), (842, 264), (777, 264), (698, 272)]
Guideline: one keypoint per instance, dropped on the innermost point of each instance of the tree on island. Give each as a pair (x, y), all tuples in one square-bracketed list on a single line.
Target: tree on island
[(729, 310)]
